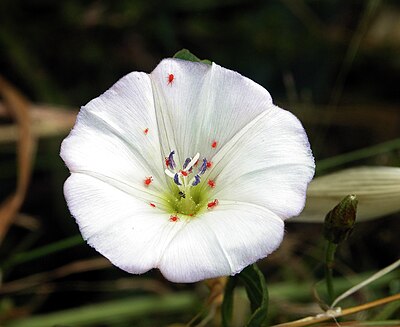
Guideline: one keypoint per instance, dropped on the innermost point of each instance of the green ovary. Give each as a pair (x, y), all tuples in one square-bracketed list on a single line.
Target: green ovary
[(190, 202), (187, 206)]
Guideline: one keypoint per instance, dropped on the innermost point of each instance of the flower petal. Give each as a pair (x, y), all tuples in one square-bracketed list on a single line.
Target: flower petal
[(221, 242), (261, 154), (377, 190), (195, 110), (110, 139), (269, 163), (130, 233)]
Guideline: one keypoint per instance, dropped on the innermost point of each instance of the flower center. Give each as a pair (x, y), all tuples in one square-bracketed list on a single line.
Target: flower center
[(187, 199)]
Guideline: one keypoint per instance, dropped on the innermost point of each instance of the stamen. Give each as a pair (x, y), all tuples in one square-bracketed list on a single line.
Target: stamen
[(212, 204), (152, 204), (169, 173), (173, 218), (203, 167), (148, 181), (179, 175), (211, 183), (196, 180), (171, 162), (185, 164), (146, 131), (214, 144), (192, 162), (176, 179)]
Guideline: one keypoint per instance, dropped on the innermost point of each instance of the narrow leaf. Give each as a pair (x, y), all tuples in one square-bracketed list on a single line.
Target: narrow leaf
[(256, 289)]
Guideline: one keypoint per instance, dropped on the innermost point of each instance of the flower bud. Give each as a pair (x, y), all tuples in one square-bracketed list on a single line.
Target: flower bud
[(339, 222)]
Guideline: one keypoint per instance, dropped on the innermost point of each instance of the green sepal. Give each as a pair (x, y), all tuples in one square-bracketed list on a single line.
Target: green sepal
[(340, 221), (185, 54), (256, 288)]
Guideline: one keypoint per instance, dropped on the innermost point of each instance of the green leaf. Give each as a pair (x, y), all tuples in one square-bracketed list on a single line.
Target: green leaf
[(185, 54), (256, 288), (257, 292)]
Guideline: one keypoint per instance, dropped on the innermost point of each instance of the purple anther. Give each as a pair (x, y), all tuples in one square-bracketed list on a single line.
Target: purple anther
[(176, 179), (203, 167), (171, 162), (185, 164), (196, 180)]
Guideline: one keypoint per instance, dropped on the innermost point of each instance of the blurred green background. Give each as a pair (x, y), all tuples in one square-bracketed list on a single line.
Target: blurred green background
[(335, 64)]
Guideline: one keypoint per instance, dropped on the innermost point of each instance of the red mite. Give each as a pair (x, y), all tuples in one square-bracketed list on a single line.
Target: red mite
[(153, 205), (167, 161), (214, 144), (173, 218), (211, 183), (184, 173), (171, 78), (212, 204), (146, 131), (148, 181), (209, 164)]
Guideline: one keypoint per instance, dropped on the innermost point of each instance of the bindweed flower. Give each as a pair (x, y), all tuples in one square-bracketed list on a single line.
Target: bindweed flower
[(190, 169)]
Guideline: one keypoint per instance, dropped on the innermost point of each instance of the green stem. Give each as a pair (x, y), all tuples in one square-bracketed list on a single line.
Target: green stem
[(329, 262)]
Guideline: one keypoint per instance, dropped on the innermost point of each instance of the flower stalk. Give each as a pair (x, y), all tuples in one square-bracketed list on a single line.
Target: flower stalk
[(339, 223), (329, 264)]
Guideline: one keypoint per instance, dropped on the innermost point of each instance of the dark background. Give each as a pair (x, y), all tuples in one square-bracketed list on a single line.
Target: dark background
[(336, 64)]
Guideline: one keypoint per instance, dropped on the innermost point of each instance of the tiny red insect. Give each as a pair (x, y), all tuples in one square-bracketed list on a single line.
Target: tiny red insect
[(209, 164), (146, 131), (212, 204), (184, 173), (211, 183), (171, 78), (152, 204), (148, 181), (167, 161), (173, 218), (214, 144)]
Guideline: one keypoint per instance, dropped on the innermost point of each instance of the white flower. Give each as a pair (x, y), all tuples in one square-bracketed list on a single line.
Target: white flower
[(190, 169)]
